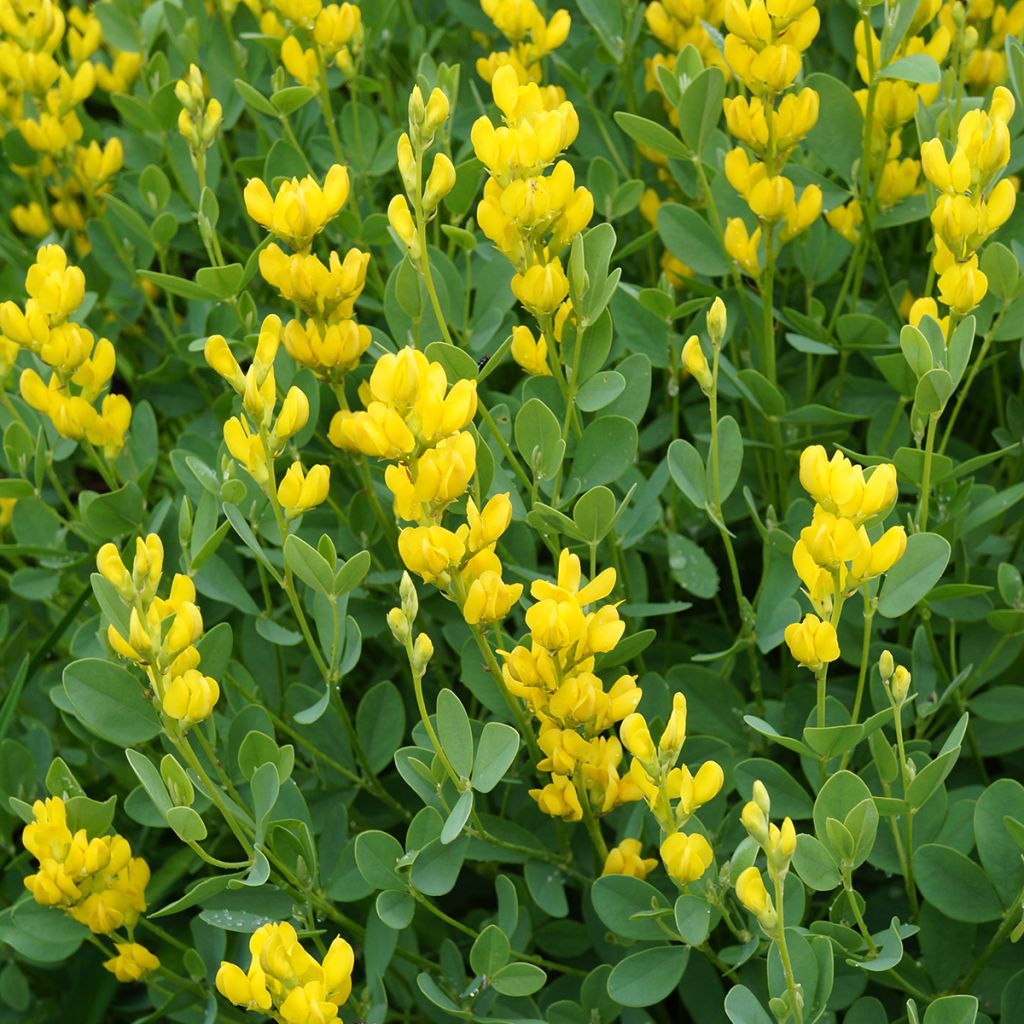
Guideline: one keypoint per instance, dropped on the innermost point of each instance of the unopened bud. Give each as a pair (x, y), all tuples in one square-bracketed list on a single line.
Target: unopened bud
[(886, 665), (717, 322), (900, 684), (398, 623), (410, 600), (417, 109), (422, 652), (759, 795)]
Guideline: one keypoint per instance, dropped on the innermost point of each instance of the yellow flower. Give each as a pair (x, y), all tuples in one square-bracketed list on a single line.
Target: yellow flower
[(542, 288), (559, 799), (430, 551), (686, 857), (132, 963), (529, 352), (636, 737), (812, 642), (626, 859), (301, 209), (696, 363), (299, 491), (754, 896)]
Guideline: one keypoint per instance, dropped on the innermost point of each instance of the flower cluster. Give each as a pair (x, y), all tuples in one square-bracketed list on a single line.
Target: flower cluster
[(330, 342), (425, 121), (200, 117), (887, 106), (79, 367), (555, 676), (834, 555), (530, 40), (334, 33), (671, 791), (763, 48), (415, 421), (531, 216), (47, 72), (286, 982), (677, 24), (973, 201), (779, 844), (983, 29), (96, 881), (162, 631), (259, 436)]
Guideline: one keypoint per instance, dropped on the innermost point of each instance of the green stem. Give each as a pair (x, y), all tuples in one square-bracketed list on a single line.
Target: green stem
[(926, 475)]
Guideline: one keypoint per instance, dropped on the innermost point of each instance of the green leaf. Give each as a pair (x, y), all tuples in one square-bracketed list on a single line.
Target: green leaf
[(742, 1007), (436, 868), (932, 393), (918, 67), (309, 565), (538, 437), (691, 567), (109, 701), (455, 732), (690, 238), (255, 99), (187, 824), (955, 884), (376, 855), (626, 907), (497, 749), (594, 514), (730, 457), (997, 851), (602, 389), (686, 468), (380, 723), (289, 99), (490, 951), (700, 108), (395, 908), (177, 285), (221, 282), (952, 1010), (836, 139), (652, 135), (456, 821), (920, 568), (693, 918), (815, 865), (605, 451), (519, 979), (648, 977)]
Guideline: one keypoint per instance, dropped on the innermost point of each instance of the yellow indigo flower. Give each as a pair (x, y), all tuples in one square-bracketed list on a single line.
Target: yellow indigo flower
[(132, 963), (285, 980), (401, 220), (542, 288), (686, 857), (442, 475), (678, 23), (626, 859), (95, 881), (191, 697), (846, 220), (430, 551), (636, 737), (302, 64), (409, 408), (812, 642), (743, 247), (881, 556), (840, 487), (329, 350), (440, 182), (533, 135), (122, 72), (97, 164), (301, 209), (696, 364), (530, 352), (338, 26), (57, 288), (748, 120), (247, 448), (299, 491), (962, 285), (326, 292), (30, 219), (559, 799), (488, 597), (899, 685), (674, 734), (754, 896)]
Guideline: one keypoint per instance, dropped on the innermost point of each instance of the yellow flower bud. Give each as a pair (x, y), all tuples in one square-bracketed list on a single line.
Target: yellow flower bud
[(422, 652), (886, 665), (674, 734), (900, 684), (404, 226), (529, 352), (398, 623), (636, 737), (717, 321), (754, 896), (696, 364), (439, 183), (220, 359)]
